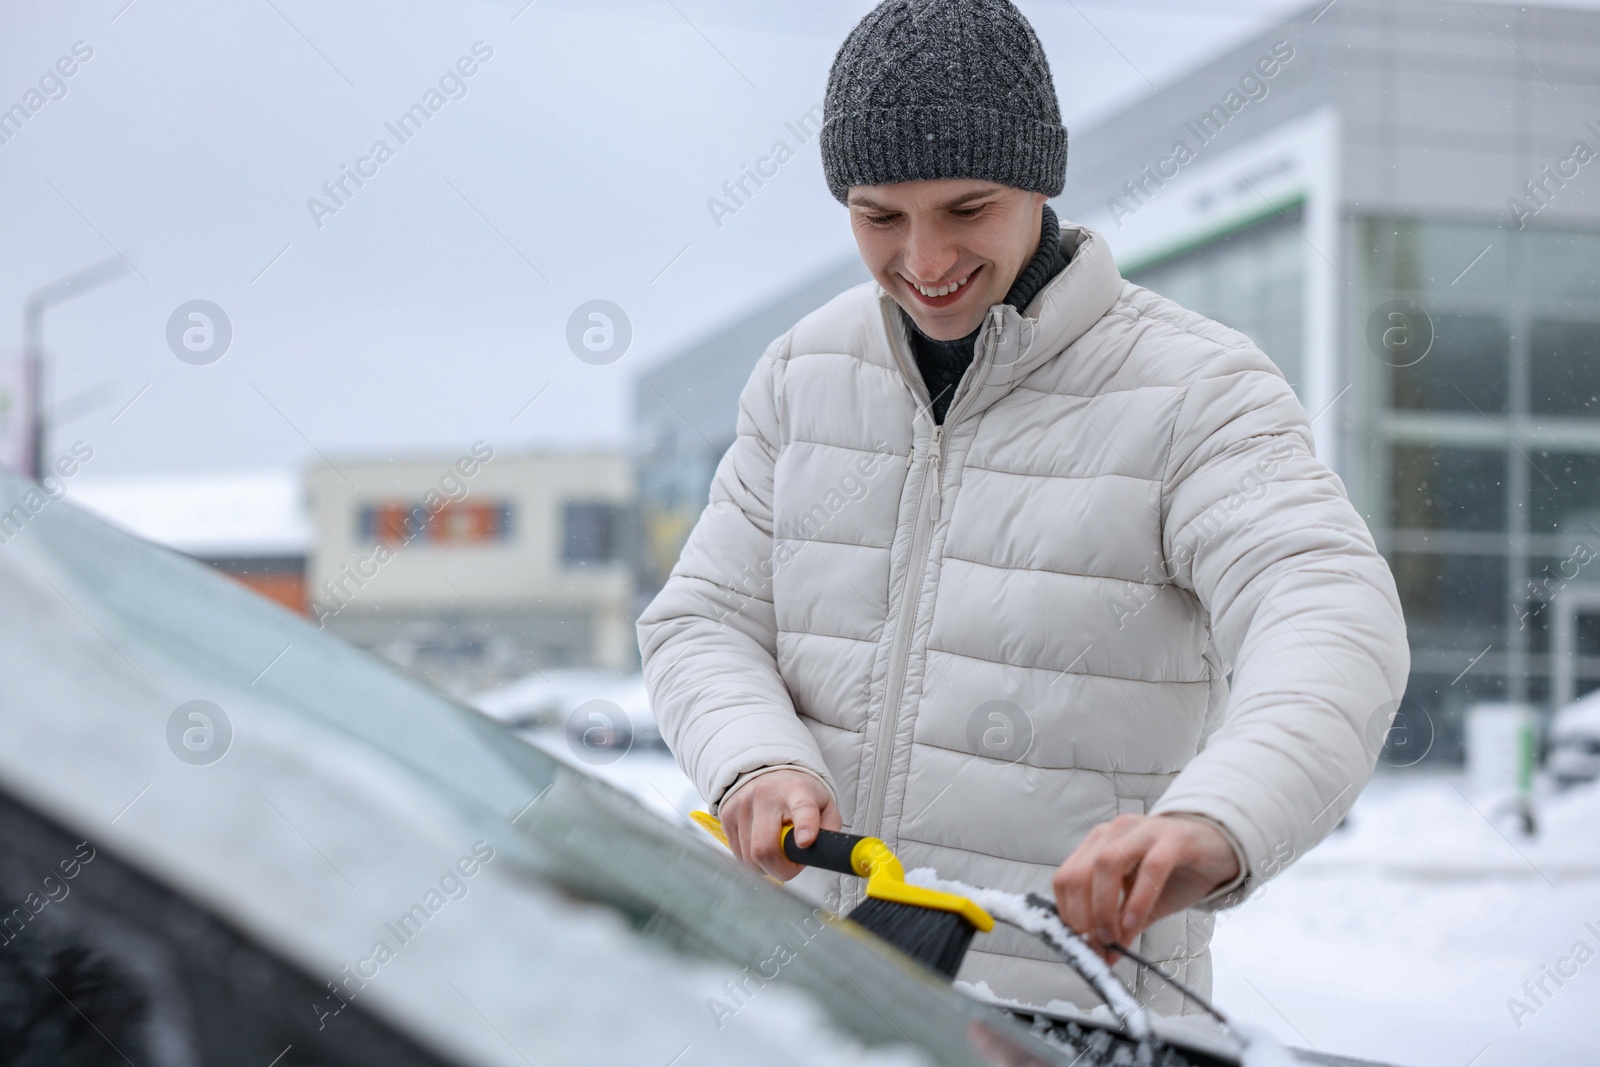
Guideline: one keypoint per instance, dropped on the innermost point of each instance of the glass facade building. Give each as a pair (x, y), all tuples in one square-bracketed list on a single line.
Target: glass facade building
[(1478, 460), (1419, 251), (1483, 461)]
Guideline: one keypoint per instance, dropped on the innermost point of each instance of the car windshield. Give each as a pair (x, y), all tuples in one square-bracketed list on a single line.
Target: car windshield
[(311, 794)]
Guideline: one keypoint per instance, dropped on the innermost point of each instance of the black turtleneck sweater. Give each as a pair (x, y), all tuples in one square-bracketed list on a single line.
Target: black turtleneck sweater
[(942, 363)]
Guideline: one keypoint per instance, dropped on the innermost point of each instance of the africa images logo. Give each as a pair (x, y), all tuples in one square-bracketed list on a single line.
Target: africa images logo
[(199, 732)]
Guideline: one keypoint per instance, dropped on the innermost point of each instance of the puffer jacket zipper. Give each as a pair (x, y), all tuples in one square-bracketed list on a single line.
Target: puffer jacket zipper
[(927, 517)]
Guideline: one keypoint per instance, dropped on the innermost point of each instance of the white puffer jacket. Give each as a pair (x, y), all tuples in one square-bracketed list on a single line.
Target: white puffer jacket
[(990, 636)]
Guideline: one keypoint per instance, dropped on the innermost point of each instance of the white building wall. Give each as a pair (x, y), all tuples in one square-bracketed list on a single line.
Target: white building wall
[(518, 589)]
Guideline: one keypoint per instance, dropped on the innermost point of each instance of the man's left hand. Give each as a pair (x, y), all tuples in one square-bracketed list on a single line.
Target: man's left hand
[(1136, 869)]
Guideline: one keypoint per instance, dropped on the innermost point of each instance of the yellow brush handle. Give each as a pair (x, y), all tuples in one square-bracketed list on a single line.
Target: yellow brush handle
[(871, 859), (713, 826)]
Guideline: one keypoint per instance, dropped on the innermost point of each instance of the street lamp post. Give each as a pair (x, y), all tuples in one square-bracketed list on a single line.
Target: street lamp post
[(33, 343)]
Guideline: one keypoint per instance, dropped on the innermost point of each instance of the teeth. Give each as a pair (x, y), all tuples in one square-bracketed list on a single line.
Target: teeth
[(943, 290)]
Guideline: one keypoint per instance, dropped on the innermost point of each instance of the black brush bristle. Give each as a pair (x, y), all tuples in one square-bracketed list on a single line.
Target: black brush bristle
[(937, 939)]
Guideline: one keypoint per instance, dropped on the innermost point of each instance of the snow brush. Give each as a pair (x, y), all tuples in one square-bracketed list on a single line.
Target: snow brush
[(929, 925), (933, 920)]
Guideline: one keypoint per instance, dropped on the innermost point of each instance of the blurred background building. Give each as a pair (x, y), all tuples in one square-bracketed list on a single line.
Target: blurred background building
[(251, 526), (470, 571), (1400, 202)]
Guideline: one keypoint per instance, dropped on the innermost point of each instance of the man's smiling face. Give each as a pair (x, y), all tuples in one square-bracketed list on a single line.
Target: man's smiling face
[(947, 250)]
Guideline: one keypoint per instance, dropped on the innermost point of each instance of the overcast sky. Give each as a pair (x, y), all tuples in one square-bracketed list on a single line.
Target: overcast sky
[(431, 306)]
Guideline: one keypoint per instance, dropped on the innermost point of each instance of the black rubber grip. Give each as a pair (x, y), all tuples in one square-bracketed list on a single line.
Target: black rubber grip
[(830, 851)]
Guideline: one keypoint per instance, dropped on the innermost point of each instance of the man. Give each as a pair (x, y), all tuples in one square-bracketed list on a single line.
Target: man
[(1018, 566)]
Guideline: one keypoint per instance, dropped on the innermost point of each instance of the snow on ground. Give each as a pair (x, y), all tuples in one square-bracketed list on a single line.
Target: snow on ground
[(650, 775), (545, 708), (1406, 935)]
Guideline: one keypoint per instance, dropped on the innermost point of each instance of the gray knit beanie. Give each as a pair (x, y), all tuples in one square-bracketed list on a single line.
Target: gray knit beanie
[(942, 89)]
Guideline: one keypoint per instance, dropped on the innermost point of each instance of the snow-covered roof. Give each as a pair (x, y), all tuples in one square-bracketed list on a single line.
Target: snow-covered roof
[(240, 513)]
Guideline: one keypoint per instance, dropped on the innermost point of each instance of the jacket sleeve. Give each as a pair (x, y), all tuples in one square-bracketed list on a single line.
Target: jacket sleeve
[(709, 638), (1303, 610)]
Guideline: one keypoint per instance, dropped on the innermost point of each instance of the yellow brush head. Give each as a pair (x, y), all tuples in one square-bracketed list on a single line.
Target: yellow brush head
[(886, 880)]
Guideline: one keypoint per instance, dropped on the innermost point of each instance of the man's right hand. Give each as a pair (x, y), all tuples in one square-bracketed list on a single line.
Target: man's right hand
[(755, 814)]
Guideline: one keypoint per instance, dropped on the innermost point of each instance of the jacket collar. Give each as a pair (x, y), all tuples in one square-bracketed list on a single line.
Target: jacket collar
[(1073, 301), (1012, 344)]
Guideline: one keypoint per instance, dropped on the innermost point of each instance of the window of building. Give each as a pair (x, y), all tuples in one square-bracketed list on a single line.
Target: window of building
[(1443, 259), (1564, 493), (1251, 279), (1563, 265), (1564, 368), (1484, 474), (1449, 597), (591, 533), (1468, 367), (1446, 488), (458, 524)]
